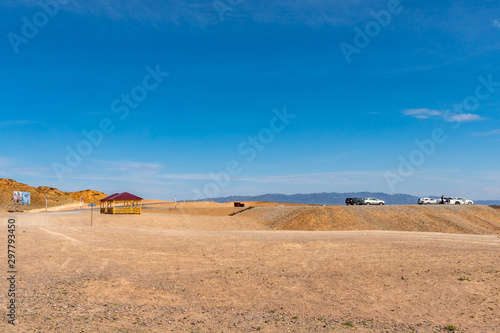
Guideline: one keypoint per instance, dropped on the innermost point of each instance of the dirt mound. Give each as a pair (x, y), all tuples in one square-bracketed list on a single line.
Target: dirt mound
[(448, 219), (271, 204), (89, 196), (201, 211), (182, 204), (212, 204)]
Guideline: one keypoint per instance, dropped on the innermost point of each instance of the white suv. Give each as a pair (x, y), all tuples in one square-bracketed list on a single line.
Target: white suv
[(372, 201)]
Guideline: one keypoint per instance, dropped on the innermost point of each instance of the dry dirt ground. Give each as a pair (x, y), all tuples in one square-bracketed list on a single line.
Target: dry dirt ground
[(199, 270)]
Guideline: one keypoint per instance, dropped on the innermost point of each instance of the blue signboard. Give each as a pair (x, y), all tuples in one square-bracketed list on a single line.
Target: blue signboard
[(26, 198)]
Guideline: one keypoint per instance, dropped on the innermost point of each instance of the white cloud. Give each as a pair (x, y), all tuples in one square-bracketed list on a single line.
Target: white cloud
[(496, 23), (422, 113), (462, 117), (447, 116)]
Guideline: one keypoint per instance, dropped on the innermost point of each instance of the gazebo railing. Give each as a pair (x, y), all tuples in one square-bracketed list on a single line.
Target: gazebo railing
[(121, 210)]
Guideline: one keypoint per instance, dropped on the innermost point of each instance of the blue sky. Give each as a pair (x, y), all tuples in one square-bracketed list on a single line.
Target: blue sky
[(205, 99)]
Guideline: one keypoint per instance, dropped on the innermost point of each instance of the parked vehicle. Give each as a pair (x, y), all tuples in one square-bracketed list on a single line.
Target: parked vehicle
[(372, 201), (456, 201), (463, 201), (428, 201), (353, 201)]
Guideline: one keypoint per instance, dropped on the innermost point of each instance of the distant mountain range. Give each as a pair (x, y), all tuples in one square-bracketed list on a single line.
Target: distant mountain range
[(337, 198)]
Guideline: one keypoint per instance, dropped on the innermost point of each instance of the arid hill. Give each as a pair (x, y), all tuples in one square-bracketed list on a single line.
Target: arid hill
[(38, 194), (89, 196)]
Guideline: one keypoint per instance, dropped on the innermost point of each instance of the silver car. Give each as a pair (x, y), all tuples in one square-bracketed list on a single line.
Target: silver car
[(372, 201), (428, 201)]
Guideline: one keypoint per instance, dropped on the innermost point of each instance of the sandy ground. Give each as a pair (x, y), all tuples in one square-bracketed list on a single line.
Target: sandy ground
[(203, 271)]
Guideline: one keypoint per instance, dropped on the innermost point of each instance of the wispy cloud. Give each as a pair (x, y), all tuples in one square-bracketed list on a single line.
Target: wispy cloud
[(16, 123), (422, 113), (462, 117), (5, 162), (493, 176), (128, 166), (447, 116), (10, 169), (184, 176), (154, 11), (489, 133), (495, 190), (496, 23), (339, 178), (203, 13)]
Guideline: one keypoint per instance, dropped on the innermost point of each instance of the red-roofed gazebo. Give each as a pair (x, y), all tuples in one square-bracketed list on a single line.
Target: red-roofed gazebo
[(127, 204)]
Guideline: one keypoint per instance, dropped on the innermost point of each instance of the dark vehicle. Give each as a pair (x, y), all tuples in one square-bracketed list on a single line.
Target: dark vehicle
[(353, 201)]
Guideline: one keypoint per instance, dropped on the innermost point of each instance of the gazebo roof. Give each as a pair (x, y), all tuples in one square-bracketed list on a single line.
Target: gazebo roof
[(125, 196), (109, 196)]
